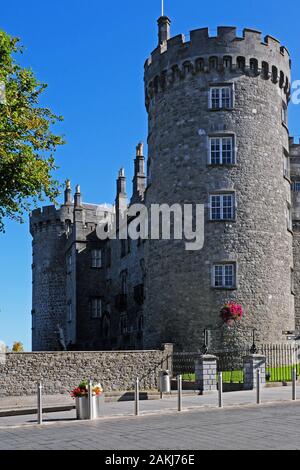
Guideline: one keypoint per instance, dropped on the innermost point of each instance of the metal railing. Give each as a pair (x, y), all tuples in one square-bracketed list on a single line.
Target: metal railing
[(281, 359)]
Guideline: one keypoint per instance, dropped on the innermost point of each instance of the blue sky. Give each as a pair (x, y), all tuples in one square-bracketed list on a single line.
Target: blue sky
[(91, 53)]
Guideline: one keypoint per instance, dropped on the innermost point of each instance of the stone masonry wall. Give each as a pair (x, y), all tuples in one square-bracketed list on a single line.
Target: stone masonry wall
[(60, 372)]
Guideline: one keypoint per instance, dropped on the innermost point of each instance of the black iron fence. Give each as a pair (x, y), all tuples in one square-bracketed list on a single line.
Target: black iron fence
[(280, 361)]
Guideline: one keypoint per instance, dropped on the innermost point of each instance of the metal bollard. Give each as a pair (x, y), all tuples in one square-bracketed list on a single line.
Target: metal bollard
[(258, 400), (220, 389), (179, 389), (39, 403), (137, 398), (294, 384), (90, 399)]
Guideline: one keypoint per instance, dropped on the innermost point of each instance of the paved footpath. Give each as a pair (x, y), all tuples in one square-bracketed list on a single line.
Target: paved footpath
[(240, 425), (273, 426)]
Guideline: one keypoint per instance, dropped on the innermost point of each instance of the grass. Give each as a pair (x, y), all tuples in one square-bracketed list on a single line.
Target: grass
[(277, 374)]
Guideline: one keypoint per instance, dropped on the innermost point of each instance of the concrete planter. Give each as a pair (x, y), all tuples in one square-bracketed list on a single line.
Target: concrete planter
[(82, 407)]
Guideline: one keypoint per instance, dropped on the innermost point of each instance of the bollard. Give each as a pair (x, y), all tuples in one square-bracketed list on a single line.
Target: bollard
[(39, 403), (294, 384), (137, 398), (179, 389), (220, 389), (90, 399), (258, 387)]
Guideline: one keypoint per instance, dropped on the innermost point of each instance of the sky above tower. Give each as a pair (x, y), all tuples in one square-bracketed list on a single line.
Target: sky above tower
[(92, 56)]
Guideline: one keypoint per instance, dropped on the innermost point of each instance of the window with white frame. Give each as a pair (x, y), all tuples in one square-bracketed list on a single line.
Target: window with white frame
[(221, 97), (222, 206), (296, 186), (286, 164), (96, 258), (223, 276), (96, 305), (221, 150)]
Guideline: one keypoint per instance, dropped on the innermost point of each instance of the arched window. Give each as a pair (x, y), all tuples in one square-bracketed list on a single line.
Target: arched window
[(274, 74), (254, 65), (241, 63), (227, 62), (265, 70), (213, 63), (141, 323), (187, 68), (199, 65), (281, 79)]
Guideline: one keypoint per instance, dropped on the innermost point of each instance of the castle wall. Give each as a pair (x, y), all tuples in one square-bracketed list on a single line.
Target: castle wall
[(180, 299), (295, 177), (61, 372)]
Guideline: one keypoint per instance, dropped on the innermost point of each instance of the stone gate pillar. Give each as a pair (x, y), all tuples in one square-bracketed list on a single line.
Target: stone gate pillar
[(206, 373), (252, 363)]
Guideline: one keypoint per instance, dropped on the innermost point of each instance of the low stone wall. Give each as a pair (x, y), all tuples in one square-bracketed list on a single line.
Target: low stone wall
[(60, 372)]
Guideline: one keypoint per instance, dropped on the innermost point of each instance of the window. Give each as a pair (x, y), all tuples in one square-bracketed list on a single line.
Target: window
[(33, 319), (227, 62), (96, 307), (222, 207), (70, 312), (221, 151), (292, 282), (220, 97), (284, 114), (124, 324), (241, 63), (124, 282), (254, 65), (289, 219), (296, 186), (96, 258), (286, 164), (69, 263), (224, 276)]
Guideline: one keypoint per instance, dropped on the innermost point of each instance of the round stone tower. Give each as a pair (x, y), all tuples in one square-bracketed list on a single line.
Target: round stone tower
[(218, 136), (49, 228)]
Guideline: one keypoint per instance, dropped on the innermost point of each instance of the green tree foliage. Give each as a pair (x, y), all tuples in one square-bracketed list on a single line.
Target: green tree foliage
[(27, 145), (18, 347)]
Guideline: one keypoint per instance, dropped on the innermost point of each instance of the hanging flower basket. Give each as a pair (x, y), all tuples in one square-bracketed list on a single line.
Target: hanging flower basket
[(231, 313)]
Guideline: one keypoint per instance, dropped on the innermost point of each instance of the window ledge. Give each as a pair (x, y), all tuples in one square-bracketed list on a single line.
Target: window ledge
[(223, 288), (221, 165), (220, 109), (229, 221)]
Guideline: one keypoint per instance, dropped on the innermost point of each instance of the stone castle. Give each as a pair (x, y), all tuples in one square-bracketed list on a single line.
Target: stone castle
[(218, 136)]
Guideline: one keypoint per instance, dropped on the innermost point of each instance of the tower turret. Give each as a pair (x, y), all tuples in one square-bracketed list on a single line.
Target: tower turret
[(68, 193), (139, 179), (218, 136), (164, 29)]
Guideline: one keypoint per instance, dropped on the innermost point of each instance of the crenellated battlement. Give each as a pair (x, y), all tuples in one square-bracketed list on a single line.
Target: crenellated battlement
[(43, 218), (177, 58)]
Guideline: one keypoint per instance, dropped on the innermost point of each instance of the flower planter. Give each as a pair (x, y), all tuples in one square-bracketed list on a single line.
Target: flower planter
[(82, 407)]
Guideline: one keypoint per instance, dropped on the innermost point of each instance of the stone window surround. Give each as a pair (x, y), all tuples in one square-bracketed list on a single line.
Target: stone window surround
[(212, 135), (220, 85), (235, 274), (286, 164), (221, 192)]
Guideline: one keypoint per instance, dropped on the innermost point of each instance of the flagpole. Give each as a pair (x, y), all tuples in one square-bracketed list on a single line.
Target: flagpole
[(162, 8)]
